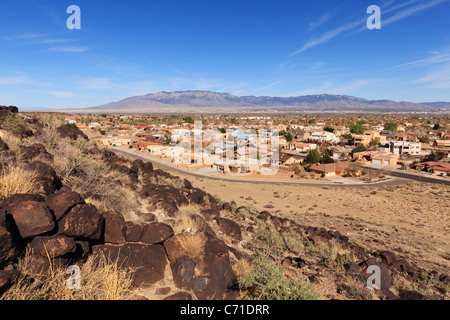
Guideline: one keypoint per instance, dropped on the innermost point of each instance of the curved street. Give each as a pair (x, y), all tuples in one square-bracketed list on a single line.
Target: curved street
[(394, 180)]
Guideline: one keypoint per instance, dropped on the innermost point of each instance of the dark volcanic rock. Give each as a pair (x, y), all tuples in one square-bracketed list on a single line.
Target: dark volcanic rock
[(35, 150), (46, 177), (156, 232), (115, 227), (71, 132), (230, 228), (134, 231), (61, 202), (32, 218), (148, 261), (182, 295), (7, 279), (83, 222), (53, 246), (8, 246)]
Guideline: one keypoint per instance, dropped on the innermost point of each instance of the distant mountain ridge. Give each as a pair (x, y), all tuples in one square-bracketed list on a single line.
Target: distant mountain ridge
[(207, 101)]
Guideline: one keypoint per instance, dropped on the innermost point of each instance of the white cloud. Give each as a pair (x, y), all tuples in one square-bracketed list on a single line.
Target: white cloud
[(438, 78), (6, 81), (322, 20), (62, 94), (68, 49), (360, 25)]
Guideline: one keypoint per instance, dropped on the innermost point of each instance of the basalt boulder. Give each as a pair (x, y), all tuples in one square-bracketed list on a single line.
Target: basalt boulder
[(83, 222), (147, 261)]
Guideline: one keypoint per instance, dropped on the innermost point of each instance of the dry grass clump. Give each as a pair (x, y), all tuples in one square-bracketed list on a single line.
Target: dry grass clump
[(16, 179), (192, 244), (185, 220), (101, 279), (242, 267)]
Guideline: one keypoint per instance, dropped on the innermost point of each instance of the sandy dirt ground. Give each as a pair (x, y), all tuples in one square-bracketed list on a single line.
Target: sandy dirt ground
[(411, 219)]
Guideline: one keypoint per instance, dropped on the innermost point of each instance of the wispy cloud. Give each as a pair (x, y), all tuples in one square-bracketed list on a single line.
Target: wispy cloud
[(409, 8), (234, 87), (322, 20), (435, 58), (439, 78), (327, 36), (62, 94), (270, 85), (6, 81), (72, 49)]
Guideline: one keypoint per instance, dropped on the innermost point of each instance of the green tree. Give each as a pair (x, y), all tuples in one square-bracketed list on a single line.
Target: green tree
[(326, 157), (313, 156), (359, 148), (167, 137), (188, 119), (431, 157), (312, 121), (357, 128), (391, 126), (329, 129), (289, 136)]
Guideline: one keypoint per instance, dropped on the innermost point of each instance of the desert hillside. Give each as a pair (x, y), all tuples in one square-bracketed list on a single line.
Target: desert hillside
[(139, 232)]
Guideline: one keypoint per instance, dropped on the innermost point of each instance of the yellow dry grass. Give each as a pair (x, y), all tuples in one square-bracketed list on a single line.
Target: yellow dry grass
[(192, 244), (100, 279), (16, 179), (185, 220)]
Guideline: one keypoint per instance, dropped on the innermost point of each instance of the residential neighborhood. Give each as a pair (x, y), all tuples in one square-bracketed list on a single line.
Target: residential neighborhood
[(301, 146)]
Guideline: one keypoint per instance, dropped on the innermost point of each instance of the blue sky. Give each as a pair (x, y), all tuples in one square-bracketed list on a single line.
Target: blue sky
[(243, 47)]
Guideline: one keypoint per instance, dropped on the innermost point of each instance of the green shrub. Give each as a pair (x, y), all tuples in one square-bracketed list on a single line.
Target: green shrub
[(268, 281)]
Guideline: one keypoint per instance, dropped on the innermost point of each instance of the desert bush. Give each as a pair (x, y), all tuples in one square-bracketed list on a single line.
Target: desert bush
[(293, 241), (268, 281), (16, 179), (101, 279), (192, 244), (269, 240), (15, 124), (332, 254)]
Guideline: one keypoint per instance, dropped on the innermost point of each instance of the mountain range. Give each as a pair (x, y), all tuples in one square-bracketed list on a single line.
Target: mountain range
[(217, 102)]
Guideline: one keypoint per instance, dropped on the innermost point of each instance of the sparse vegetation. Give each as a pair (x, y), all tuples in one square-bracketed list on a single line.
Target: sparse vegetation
[(101, 279), (268, 280), (16, 179)]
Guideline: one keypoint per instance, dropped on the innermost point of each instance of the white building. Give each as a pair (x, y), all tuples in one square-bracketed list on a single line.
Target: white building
[(323, 136), (402, 147)]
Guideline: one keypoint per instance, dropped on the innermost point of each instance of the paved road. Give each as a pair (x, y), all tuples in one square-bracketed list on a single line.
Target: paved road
[(415, 177), (393, 181)]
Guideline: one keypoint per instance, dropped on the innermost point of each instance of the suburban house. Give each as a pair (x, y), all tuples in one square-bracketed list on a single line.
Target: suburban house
[(436, 167), (442, 143), (402, 147), (323, 136), (376, 157), (300, 147), (287, 159), (335, 169), (237, 167), (117, 141), (402, 136), (340, 153)]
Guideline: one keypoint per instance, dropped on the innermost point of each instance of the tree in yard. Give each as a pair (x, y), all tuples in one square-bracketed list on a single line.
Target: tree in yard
[(390, 126), (357, 128), (359, 148), (289, 136), (313, 156), (431, 157), (188, 119)]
